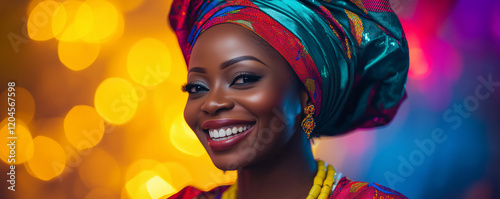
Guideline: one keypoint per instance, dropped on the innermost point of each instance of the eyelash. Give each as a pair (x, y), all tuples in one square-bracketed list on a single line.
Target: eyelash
[(252, 77), (187, 87)]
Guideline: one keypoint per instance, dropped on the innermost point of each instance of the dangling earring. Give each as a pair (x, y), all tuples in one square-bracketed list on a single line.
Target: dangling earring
[(308, 123)]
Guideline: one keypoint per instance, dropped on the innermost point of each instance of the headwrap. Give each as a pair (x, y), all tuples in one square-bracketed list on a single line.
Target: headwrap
[(351, 56)]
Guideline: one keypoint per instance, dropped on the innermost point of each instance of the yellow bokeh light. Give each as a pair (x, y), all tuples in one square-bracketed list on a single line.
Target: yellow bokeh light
[(40, 20), (149, 62), (83, 127), (141, 185), (77, 55), (100, 193), (100, 170), (24, 104), (106, 19), (158, 187), (116, 100), (140, 165), (165, 105), (72, 20), (21, 141), (137, 187), (31, 5), (141, 171), (127, 5), (181, 177), (49, 158), (184, 138)]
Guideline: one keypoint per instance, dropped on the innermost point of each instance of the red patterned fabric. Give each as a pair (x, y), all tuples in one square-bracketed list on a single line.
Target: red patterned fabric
[(354, 189), (190, 192), (346, 189), (377, 5)]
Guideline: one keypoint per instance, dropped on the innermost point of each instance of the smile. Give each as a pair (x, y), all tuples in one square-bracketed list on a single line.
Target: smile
[(224, 134)]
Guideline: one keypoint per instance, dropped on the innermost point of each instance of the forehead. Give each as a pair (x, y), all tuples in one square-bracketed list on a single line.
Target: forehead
[(225, 41)]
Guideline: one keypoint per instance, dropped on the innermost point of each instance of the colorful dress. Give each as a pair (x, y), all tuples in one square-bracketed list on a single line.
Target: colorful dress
[(346, 188)]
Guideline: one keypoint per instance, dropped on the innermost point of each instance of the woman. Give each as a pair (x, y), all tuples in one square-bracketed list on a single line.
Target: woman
[(266, 76)]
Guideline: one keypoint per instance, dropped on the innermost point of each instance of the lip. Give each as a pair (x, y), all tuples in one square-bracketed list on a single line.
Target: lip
[(229, 143)]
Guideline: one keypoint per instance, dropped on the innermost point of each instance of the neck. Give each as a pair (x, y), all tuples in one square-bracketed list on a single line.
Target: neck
[(289, 174)]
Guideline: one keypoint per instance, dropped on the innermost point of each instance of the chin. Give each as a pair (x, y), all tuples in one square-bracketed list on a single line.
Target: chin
[(228, 162)]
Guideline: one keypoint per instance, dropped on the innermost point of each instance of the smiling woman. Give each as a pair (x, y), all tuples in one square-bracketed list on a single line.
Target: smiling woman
[(234, 94), (266, 76)]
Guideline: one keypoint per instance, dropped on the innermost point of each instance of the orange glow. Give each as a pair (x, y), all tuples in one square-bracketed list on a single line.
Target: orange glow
[(25, 104), (100, 193), (23, 151), (106, 19), (419, 65), (181, 176), (137, 187), (126, 6), (83, 127), (49, 158), (74, 21), (116, 100), (100, 170), (157, 187), (184, 138), (77, 55), (40, 20), (138, 166), (148, 62), (419, 68)]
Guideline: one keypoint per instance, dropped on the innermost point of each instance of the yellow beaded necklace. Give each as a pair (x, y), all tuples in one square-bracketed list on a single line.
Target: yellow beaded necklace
[(325, 182)]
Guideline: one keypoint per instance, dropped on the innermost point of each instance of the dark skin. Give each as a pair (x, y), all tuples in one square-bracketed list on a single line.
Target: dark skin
[(275, 160)]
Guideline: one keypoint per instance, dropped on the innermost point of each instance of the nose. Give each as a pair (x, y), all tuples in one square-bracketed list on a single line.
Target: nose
[(217, 101)]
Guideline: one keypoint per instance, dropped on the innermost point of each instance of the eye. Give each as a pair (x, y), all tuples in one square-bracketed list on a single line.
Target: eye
[(193, 88), (245, 79)]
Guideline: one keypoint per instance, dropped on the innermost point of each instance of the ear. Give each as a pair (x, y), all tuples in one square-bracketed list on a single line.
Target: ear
[(305, 100)]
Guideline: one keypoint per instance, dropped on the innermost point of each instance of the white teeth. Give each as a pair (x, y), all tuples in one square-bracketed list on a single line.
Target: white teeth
[(222, 134), (215, 133)]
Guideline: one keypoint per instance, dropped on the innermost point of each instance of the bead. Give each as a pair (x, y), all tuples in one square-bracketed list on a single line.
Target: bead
[(323, 195), (315, 191), (318, 181), (328, 182), (321, 162)]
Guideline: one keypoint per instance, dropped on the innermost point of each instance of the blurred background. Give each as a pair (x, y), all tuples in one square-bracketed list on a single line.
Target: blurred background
[(99, 105)]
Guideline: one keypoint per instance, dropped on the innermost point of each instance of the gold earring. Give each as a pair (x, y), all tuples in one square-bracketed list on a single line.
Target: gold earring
[(308, 123)]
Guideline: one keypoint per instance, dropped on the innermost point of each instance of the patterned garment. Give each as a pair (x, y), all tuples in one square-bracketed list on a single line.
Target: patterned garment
[(351, 55), (346, 189)]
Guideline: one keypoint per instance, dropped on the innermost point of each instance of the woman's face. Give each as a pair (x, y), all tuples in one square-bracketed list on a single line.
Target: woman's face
[(244, 102)]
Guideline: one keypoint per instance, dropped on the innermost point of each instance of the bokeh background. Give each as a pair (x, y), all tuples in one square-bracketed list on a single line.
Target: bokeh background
[(99, 105)]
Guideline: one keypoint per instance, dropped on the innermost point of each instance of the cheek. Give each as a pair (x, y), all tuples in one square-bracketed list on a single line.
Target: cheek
[(277, 103), (190, 115)]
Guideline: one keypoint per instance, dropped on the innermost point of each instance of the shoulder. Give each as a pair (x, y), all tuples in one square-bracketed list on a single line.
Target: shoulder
[(190, 192), (354, 189)]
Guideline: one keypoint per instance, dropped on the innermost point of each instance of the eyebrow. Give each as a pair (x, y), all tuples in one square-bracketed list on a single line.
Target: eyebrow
[(228, 63)]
